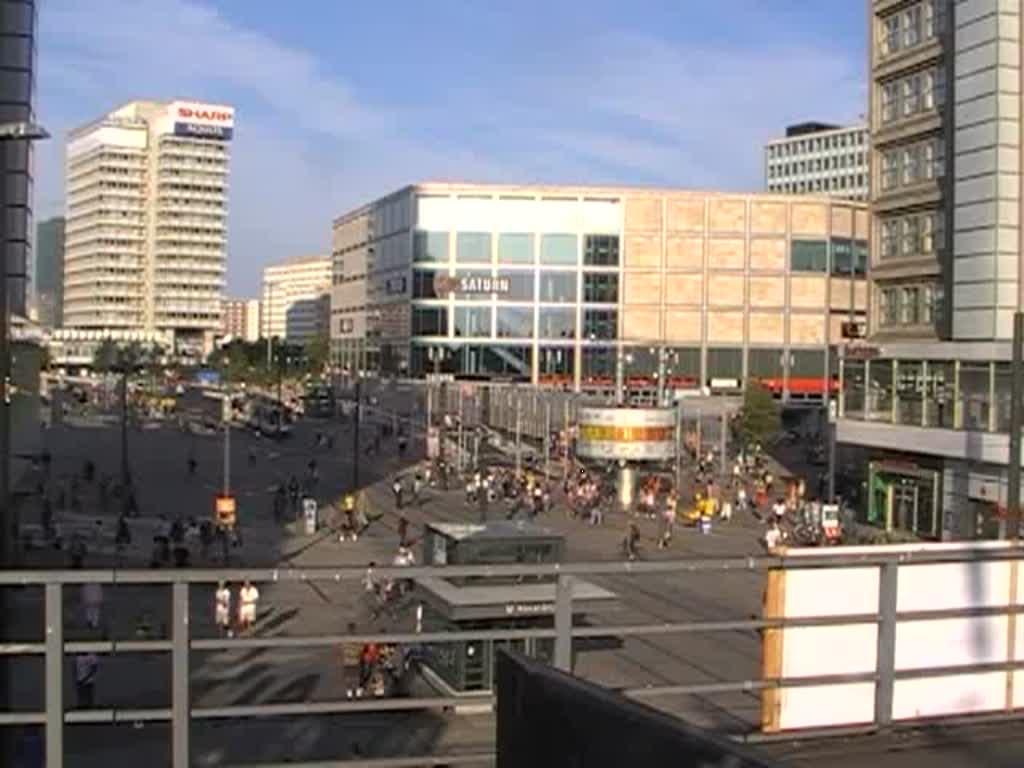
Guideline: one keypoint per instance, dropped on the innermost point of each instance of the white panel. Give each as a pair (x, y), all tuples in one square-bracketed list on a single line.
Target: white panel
[(968, 295), (1006, 296), (981, 57), (972, 323), (975, 163), (976, 111), (818, 706), (1006, 266), (1008, 53), (1007, 240), (965, 243), (938, 586), (804, 590), (974, 215), (1009, 212), (1009, 19), (1009, 104), (1004, 324), (975, 136), (436, 214), (1009, 159), (1007, 186), (474, 214), (950, 642), (966, 12), (558, 215), (853, 649), (976, 32), (971, 190), (602, 216), (932, 696), (976, 84), (1009, 132), (1009, 80), (515, 215), (1018, 688)]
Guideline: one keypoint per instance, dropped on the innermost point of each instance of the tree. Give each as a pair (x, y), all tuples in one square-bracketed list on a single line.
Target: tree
[(105, 357), (759, 418), (317, 352)]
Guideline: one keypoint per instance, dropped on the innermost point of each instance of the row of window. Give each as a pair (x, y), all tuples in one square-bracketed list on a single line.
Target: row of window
[(910, 27), (517, 248), (817, 144), (848, 257), (915, 234), (912, 163), (909, 305), (514, 323), (912, 94), (830, 184), (802, 167)]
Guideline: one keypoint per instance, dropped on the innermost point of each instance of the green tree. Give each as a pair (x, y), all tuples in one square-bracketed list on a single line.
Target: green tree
[(317, 351), (760, 417), (104, 359)]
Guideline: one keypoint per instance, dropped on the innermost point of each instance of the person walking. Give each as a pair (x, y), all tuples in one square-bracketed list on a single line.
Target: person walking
[(396, 489), (92, 602), (222, 609), (86, 671), (631, 542), (403, 531), (350, 664), (248, 595), (668, 522)]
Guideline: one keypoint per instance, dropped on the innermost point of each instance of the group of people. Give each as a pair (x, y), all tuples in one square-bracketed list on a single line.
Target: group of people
[(245, 607)]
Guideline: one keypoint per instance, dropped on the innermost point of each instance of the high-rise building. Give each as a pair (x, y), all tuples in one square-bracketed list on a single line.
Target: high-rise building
[(146, 232), (18, 28), (926, 401), (296, 298), (819, 159), (241, 319), (49, 283), (557, 284)]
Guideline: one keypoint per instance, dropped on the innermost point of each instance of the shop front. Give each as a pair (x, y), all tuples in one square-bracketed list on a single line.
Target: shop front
[(904, 496)]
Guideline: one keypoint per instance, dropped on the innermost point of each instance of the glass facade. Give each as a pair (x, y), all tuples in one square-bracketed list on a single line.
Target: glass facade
[(514, 323), (559, 249), (559, 287), (808, 256), (473, 247), (473, 322), (600, 287), (555, 323), (515, 248), (601, 250), (430, 246)]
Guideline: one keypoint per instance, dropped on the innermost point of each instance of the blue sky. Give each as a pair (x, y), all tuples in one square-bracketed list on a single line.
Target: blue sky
[(340, 101)]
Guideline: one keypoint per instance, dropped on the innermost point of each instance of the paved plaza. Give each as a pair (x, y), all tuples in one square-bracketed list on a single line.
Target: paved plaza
[(159, 465)]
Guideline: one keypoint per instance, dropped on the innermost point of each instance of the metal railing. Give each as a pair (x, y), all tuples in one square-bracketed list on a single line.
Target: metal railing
[(180, 643)]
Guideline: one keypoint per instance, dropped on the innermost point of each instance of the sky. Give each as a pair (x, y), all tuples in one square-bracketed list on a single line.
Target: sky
[(338, 103)]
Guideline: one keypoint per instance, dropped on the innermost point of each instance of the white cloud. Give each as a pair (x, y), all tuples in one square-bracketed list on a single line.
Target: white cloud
[(622, 108)]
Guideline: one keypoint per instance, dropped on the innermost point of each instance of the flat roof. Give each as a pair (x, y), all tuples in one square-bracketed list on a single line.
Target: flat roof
[(501, 601), (499, 529)]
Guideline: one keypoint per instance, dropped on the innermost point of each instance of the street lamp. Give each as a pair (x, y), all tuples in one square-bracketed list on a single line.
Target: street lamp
[(9, 132)]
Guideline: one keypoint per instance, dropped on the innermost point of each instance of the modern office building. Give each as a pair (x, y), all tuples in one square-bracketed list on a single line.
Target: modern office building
[(552, 284), (241, 319), (49, 282), (146, 231), (819, 159), (296, 298), (927, 400)]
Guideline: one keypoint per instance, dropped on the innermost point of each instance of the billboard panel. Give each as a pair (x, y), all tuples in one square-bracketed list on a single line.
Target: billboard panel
[(205, 121), (633, 434)]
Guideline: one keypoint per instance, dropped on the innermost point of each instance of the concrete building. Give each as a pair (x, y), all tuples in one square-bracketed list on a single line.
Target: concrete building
[(819, 159), (49, 282), (927, 401), (146, 232), (296, 298), (551, 284), (241, 319)]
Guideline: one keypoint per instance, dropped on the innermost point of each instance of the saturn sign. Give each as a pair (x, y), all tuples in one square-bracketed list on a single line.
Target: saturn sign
[(469, 285)]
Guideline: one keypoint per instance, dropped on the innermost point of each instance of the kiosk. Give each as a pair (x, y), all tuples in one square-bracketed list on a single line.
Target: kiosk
[(484, 603)]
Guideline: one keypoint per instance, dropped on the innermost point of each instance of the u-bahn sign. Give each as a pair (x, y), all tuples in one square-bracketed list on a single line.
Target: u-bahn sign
[(469, 285)]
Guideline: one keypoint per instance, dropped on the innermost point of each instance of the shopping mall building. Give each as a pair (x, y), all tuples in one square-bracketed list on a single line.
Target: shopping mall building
[(556, 285)]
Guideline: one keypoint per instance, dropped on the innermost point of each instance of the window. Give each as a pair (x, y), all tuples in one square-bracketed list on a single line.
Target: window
[(911, 171), (558, 286), (912, 26), (888, 102), (520, 286), (558, 249), (931, 88), (514, 323), (888, 306), (860, 258), (842, 256), (933, 157), (600, 287), (430, 246), (809, 256), (911, 96), (473, 248), (515, 249), (888, 242), (556, 323), (432, 321), (603, 250), (890, 169), (909, 305), (473, 322), (932, 25), (423, 284), (927, 311), (600, 323), (908, 236)]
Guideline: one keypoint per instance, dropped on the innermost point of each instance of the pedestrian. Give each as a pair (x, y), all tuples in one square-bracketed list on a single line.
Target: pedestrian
[(773, 537), (92, 602), (779, 510), (86, 670), (368, 659), (248, 595), (222, 608), (725, 510), (190, 465), (668, 520), (403, 531), (631, 542), (350, 658), (396, 489)]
